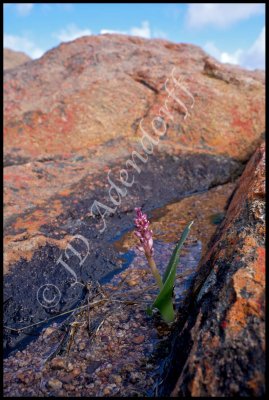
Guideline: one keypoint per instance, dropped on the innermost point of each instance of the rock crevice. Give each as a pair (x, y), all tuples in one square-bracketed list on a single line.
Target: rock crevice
[(225, 331)]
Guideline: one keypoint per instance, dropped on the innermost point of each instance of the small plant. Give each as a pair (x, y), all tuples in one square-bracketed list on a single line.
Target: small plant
[(164, 300)]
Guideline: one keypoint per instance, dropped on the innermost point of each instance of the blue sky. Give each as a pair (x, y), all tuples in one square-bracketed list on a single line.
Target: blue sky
[(232, 33)]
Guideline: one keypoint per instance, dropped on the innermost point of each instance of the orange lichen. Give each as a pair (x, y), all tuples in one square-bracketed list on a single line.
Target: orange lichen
[(24, 246), (249, 242), (65, 192), (256, 383), (250, 280)]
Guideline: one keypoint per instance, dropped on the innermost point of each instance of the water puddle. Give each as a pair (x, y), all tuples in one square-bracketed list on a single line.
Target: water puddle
[(206, 210)]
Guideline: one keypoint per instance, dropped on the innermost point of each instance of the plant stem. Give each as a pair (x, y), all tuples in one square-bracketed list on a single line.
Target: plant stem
[(155, 271)]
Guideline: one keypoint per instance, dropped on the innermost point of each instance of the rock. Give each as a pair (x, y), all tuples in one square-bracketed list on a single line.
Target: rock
[(122, 81), (9, 376), (69, 367), (116, 378), (106, 391), (61, 393), (132, 282), (58, 363), (120, 334), (136, 377), (71, 376), (76, 372), (82, 346), (23, 377), (13, 58), (138, 339), (48, 332), (93, 365), (55, 384), (227, 325)]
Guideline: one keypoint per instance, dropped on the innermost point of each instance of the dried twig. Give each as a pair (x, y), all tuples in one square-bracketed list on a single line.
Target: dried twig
[(92, 304)]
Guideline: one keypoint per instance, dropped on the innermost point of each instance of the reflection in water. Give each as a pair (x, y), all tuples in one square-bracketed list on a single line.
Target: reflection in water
[(205, 209), (187, 267), (189, 260)]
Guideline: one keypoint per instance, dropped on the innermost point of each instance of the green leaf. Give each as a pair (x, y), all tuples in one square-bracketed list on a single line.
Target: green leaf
[(163, 301), (175, 255), (149, 311)]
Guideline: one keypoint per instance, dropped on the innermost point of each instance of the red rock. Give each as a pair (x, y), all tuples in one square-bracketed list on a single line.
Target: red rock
[(66, 101), (138, 339), (227, 356), (58, 363)]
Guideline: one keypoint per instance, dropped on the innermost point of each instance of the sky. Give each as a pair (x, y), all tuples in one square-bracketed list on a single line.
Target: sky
[(233, 33)]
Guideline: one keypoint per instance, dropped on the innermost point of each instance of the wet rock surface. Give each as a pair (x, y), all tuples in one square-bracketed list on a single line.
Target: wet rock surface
[(129, 354), (33, 248), (225, 332), (207, 209)]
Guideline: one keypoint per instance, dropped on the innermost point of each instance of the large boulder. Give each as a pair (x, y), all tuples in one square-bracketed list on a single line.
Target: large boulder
[(97, 88)]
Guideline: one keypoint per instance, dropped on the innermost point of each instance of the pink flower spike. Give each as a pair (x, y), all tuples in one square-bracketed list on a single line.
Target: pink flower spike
[(146, 242), (143, 232)]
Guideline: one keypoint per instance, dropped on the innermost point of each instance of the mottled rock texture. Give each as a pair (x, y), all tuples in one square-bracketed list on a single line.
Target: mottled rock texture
[(225, 333), (96, 88), (13, 58), (76, 110)]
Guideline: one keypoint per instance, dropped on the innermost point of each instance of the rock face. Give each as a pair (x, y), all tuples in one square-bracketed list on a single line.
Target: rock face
[(226, 329), (96, 89), (13, 58), (74, 111)]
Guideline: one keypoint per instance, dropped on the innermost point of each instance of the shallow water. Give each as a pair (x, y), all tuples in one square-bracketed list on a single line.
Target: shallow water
[(167, 223), (189, 260)]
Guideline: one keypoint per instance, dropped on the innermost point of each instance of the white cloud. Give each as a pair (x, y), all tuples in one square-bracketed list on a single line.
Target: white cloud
[(111, 31), (157, 33), (20, 43), (72, 32), (253, 57), (221, 14), (232, 58), (143, 31)]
